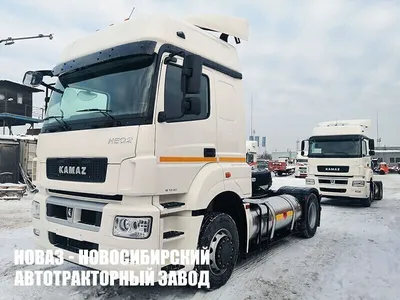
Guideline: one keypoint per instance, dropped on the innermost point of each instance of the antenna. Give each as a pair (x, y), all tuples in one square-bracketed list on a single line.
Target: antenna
[(11, 40), (251, 116), (377, 129), (130, 14)]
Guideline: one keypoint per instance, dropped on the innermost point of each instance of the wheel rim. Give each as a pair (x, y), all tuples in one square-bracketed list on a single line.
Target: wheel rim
[(221, 252), (312, 215)]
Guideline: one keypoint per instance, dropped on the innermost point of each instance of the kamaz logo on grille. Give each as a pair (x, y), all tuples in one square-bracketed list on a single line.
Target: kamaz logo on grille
[(332, 169), (72, 170), (69, 212)]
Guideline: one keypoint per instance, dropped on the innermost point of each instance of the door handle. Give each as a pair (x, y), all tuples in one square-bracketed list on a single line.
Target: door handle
[(209, 152)]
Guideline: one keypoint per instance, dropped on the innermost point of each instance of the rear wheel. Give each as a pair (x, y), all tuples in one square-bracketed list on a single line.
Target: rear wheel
[(311, 217), (219, 234)]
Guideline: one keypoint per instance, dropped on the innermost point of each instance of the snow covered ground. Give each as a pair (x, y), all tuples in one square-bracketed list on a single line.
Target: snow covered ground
[(354, 255)]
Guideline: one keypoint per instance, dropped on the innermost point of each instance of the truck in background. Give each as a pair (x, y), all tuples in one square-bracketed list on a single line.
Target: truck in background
[(339, 161), (251, 153), (157, 108), (281, 167), (301, 168)]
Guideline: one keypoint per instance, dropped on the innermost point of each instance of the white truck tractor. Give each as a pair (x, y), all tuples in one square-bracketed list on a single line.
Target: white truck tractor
[(301, 168), (144, 147), (251, 153), (339, 161)]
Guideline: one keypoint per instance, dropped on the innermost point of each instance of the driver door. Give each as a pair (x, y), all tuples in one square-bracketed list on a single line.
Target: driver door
[(185, 144)]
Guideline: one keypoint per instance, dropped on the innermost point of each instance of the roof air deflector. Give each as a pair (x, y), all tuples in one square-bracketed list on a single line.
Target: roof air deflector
[(227, 26)]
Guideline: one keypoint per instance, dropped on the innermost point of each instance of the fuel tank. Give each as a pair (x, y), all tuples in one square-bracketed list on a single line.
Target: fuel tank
[(276, 212)]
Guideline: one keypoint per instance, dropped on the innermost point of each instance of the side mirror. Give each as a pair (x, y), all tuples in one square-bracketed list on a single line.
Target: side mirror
[(32, 78), (371, 144), (302, 152), (191, 106), (303, 146), (191, 74), (371, 152)]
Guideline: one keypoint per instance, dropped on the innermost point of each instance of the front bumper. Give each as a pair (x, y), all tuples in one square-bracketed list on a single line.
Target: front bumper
[(338, 187), (51, 234)]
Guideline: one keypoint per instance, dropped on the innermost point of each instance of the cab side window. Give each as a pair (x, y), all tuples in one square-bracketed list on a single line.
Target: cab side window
[(173, 96)]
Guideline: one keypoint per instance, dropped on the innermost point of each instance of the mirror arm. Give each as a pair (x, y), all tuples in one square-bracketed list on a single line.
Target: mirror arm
[(171, 57), (50, 87)]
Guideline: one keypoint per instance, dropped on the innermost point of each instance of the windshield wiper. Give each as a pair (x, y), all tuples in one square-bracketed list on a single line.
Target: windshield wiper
[(60, 120), (103, 111)]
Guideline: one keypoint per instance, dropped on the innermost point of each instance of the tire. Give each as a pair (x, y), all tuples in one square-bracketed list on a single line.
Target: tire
[(366, 202), (378, 194), (312, 214), (219, 234)]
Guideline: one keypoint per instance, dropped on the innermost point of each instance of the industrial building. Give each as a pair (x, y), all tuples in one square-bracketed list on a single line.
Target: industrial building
[(16, 105), (390, 155)]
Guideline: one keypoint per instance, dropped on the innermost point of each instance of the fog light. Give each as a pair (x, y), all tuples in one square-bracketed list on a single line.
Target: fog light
[(358, 183), (132, 227), (310, 181)]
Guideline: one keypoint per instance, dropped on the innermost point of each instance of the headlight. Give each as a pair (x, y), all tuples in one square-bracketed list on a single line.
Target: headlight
[(35, 210), (310, 181), (358, 183), (132, 227)]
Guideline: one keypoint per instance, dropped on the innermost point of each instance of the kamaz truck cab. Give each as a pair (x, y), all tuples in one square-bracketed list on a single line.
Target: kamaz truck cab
[(144, 147), (339, 161)]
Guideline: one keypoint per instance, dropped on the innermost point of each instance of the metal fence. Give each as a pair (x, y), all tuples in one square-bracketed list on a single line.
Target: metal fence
[(22, 110)]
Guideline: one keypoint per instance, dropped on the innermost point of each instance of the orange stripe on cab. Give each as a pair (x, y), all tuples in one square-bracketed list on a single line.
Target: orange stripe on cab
[(232, 159), (187, 159), (198, 159)]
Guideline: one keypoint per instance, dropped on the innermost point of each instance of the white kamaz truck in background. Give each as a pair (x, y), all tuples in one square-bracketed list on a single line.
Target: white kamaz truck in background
[(339, 161), (301, 168), (251, 153), (143, 147)]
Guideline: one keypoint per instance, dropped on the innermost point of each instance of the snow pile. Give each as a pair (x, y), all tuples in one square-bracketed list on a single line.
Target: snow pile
[(354, 255)]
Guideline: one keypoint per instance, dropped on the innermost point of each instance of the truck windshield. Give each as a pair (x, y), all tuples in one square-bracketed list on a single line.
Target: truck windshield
[(112, 93), (334, 147)]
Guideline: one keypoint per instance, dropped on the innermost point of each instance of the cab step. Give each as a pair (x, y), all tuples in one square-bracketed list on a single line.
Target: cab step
[(170, 205), (172, 234)]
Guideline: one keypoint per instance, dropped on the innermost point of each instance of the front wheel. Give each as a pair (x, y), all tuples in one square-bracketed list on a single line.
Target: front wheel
[(220, 236), (368, 201), (378, 191)]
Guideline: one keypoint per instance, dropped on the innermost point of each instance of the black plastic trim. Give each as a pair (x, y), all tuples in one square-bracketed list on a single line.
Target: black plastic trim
[(135, 48), (87, 195), (170, 205), (210, 152), (199, 212), (208, 63), (96, 168), (171, 234)]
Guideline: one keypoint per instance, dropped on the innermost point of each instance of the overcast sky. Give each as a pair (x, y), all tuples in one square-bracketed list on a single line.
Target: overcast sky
[(306, 61)]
